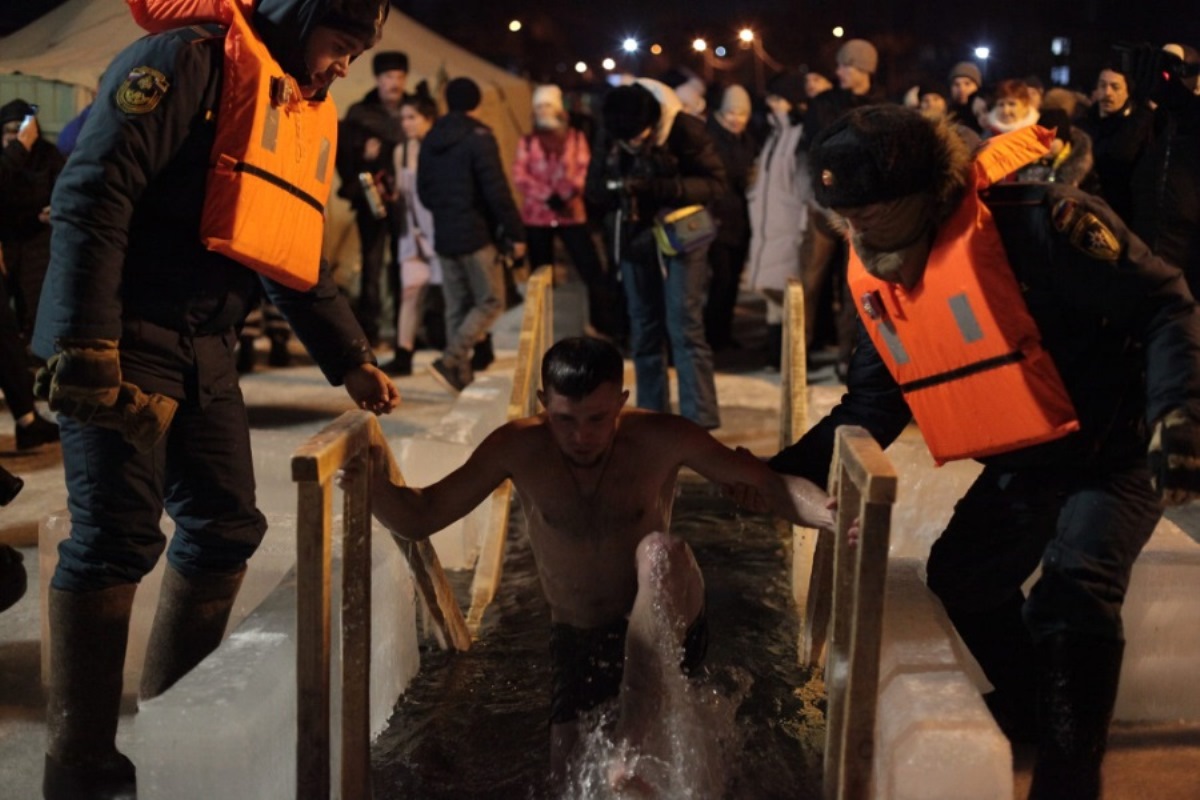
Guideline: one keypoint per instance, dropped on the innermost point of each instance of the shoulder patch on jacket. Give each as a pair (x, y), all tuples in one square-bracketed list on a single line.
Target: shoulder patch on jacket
[(1086, 231), (142, 90)]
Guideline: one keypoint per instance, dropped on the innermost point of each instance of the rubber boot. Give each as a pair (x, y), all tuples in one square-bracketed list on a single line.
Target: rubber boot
[(1077, 689), (13, 580), (88, 634), (188, 625), (401, 363)]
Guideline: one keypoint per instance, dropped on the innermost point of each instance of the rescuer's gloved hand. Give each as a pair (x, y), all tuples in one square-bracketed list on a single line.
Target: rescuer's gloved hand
[(1174, 457), (83, 381), (80, 379)]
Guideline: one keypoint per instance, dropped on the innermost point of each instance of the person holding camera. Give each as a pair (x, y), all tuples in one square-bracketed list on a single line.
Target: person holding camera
[(653, 171), (461, 180)]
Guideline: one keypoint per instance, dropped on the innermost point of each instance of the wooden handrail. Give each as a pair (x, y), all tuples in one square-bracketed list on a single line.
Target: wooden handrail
[(347, 439), (537, 334), (865, 484)]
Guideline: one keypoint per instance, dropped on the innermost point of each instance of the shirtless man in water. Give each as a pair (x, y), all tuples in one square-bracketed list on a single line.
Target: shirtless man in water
[(597, 481)]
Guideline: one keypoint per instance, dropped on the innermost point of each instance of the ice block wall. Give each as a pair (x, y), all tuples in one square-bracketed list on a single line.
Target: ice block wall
[(228, 728)]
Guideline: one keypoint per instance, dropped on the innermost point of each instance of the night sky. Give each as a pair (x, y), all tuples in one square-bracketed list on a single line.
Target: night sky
[(918, 40)]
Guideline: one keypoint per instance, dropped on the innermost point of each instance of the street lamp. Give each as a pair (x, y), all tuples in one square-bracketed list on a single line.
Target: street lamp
[(515, 25), (630, 45), (983, 53), (609, 64), (580, 67), (699, 45), (746, 36), (839, 32)]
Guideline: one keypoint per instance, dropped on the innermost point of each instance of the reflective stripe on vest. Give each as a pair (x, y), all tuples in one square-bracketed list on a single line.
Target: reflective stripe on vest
[(962, 345)]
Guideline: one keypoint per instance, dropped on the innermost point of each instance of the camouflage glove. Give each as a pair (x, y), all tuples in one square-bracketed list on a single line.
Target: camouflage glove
[(82, 378), (83, 381), (1174, 457)]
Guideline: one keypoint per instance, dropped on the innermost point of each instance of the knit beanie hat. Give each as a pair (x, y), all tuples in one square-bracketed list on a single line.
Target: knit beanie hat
[(965, 69), (874, 154), (735, 99), (629, 110), (789, 85), (462, 94), (548, 94), (14, 111), (388, 60), (859, 53), (361, 18)]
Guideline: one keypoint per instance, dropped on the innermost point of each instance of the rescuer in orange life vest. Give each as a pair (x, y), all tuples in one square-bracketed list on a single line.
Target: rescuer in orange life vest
[(1025, 326), (198, 185)]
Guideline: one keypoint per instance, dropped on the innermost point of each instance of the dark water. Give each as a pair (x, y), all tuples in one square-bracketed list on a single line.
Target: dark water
[(475, 725)]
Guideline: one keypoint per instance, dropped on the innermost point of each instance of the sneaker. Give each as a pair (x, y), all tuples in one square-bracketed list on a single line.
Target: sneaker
[(37, 433), (447, 377)]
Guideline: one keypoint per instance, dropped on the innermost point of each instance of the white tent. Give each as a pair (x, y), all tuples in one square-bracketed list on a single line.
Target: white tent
[(56, 61)]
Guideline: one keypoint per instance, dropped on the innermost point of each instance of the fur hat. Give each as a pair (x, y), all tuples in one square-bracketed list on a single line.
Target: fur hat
[(388, 60), (789, 85), (629, 110), (462, 94), (966, 69), (859, 53), (882, 152), (14, 111), (361, 18), (548, 94)]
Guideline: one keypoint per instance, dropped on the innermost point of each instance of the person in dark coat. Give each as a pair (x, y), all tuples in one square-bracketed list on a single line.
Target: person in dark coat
[(737, 149), (1120, 129), (1123, 334), (138, 322), (461, 180), (964, 106), (367, 139), (29, 166), (653, 158)]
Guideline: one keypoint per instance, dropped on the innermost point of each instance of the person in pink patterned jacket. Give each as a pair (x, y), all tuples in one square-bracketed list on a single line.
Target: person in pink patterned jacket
[(549, 172)]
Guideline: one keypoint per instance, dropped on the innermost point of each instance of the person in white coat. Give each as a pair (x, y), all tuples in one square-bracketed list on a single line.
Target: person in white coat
[(778, 205)]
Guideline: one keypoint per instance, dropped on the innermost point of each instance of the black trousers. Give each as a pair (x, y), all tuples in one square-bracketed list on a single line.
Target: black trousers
[(606, 301), (726, 260), (377, 238)]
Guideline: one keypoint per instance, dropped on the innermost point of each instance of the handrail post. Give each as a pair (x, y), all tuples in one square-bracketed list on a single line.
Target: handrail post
[(865, 483)]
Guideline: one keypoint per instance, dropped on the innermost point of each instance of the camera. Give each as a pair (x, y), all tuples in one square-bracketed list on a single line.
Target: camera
[(1152, 70)]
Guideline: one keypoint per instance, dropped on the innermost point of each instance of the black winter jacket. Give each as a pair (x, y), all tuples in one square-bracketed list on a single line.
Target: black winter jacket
[(461, 180), (685, 170), (737, 154), (126, 213), (366, 119), (1125, 337), (26, 179)]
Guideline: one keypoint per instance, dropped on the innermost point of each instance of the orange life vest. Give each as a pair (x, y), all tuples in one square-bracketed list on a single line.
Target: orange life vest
[(962, 344), (272, 159)]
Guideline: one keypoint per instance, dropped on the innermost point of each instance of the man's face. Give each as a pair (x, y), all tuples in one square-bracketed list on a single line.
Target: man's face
[(933, 105), (584, 428), (779, 106), (1112, 92), (961, 89), (637, 142), (853, 79), (734, 121), (391, 85), (328, 54), (815, 83)]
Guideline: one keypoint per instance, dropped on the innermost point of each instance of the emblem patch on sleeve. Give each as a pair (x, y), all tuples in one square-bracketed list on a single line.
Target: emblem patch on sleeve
[(1085, 230), (142, 90)]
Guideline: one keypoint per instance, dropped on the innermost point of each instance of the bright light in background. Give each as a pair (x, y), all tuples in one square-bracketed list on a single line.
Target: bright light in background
[(699, 45), (839, 31), (630, 45), (983, 53), (608, 63), (746, 35), (515, 25), (656, 49), (580, 67), (720, 51)]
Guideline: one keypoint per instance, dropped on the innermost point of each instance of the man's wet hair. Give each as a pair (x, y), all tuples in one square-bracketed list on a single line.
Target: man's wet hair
[(577, 366)]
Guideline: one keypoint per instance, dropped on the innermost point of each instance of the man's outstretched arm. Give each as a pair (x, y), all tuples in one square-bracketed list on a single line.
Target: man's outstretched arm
[(796, 499), (418, 513)]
